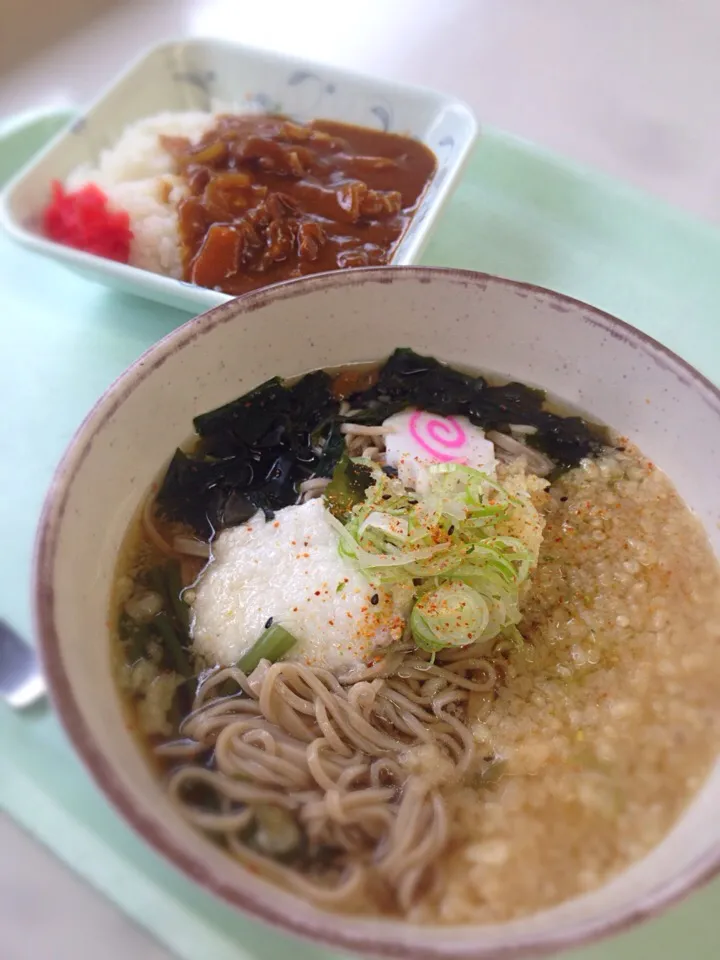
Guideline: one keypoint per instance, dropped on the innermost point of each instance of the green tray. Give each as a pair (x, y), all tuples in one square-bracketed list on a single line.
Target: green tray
[(520, 213)]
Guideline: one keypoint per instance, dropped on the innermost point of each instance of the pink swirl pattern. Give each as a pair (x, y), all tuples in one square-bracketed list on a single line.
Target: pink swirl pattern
[(437, 435)]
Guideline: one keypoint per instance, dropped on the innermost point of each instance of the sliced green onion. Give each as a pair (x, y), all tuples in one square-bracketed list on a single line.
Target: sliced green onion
[(446, 546), (272, 644), (453, 615)]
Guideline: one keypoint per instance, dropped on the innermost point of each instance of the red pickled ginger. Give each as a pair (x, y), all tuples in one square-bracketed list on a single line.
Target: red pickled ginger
[(83, 219)]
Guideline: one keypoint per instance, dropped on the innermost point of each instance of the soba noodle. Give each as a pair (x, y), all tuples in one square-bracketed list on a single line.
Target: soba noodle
[(354, 759)]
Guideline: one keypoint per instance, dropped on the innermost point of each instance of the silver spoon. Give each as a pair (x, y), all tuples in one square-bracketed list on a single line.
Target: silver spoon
[(21, 680)]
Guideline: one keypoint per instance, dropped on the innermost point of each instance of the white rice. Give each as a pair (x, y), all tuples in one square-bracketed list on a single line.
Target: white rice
[(135, 174)]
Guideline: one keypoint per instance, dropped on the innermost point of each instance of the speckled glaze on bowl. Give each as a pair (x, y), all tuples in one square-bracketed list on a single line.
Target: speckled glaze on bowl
[(588, 358)]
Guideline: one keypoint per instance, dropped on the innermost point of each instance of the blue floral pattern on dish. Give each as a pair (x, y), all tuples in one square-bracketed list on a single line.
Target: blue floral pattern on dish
[(264, 102), (202, 80), (300, 76), (384, 115)]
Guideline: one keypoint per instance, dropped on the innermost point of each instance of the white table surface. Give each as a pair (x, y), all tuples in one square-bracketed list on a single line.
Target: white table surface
[(628, 86)]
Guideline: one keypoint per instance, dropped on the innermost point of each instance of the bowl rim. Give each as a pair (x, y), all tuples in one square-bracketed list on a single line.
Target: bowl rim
[(79, 731)]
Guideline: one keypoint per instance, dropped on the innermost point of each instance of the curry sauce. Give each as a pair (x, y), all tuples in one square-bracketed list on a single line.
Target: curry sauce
[(269, 199)]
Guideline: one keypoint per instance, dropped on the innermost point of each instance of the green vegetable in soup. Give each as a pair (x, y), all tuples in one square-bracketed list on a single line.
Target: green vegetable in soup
[(135, 637), (174, 583), (350, 481), (166, 580), (172, 645), (276, 833), (272, 644)]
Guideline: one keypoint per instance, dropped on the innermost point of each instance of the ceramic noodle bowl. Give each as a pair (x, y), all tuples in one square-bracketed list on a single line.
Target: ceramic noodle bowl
[(594, 362)]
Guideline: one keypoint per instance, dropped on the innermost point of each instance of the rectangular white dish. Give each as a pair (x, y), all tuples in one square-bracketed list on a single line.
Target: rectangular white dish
[(195, 74)]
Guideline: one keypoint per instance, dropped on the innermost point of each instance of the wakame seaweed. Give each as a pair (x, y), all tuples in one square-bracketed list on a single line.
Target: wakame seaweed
[(348, 486), (411, 380), (254, 452)]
